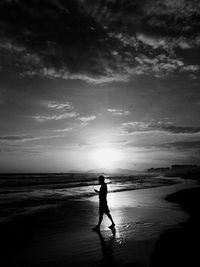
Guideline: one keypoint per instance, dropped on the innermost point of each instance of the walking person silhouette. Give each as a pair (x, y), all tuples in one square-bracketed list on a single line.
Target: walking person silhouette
[(103, 206)]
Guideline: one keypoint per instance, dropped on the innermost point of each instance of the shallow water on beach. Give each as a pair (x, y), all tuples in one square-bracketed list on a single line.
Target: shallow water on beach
[(25, 193)]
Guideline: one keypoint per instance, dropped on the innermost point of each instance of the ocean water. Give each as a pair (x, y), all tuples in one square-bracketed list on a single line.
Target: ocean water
[(25, 193)]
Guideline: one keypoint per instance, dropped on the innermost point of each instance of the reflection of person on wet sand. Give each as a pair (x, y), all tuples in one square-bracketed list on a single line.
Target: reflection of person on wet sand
[(107, 246), (103, 206)]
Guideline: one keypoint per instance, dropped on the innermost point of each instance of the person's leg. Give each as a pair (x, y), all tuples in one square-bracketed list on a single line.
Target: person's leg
[(100, 219), (97, 228), (110, 217)]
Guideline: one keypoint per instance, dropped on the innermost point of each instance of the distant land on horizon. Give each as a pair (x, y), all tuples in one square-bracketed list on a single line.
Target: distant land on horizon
[(116, 170)]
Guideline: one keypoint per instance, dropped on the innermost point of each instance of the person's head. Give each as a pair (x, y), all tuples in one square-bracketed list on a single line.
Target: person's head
[(101, 179)]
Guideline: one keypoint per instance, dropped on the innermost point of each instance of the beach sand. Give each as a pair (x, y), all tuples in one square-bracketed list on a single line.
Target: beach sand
[(62, 236)]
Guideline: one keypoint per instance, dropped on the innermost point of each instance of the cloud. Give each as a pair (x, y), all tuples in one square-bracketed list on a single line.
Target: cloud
[(63, 130), (118, 112), (165, 43), (8, 45), (168, 127), (17, 137), (56, 110), (154, 42), (48, 39), (66, 115), (88, 118), (23, 138), (57, 105), (160, 65), (182, 145), (109, 75), (191, 68), (19, 150)]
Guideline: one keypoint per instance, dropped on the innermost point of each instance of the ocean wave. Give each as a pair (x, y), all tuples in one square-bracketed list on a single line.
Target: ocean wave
[(24, 194)]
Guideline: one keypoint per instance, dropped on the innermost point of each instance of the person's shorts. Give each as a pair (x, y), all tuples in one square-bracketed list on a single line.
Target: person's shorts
[(103, 208)]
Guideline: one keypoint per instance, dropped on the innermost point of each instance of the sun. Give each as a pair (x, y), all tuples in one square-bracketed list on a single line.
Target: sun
[(106, 157)]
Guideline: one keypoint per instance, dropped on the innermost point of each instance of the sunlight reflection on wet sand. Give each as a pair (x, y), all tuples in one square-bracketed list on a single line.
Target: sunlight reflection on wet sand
[(144, 212)]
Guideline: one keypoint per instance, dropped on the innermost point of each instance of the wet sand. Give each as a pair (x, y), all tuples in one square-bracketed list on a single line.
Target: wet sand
[(62, 236)]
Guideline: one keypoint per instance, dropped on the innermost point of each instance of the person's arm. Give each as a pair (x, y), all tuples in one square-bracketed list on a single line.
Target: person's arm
[(96, 191)]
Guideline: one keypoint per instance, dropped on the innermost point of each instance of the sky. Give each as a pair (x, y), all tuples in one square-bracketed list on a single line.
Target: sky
[(99, 84)]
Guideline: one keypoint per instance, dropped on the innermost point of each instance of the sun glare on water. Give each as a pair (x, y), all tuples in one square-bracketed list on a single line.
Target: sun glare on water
[(106, 157)]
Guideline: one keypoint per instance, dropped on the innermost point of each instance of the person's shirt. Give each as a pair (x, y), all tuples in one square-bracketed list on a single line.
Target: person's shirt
[(103, 192)]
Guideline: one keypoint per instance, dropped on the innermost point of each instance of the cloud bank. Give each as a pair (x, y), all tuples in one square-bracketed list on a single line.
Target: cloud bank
[(98, 41), (168, 127)]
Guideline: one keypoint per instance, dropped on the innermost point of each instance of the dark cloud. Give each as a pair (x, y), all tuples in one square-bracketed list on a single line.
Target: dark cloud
[(151, 21), (183, 145), (96, 41), (132, 127), (19, 150), (23, 138), (55, 37), (16, 137), (155, 18)]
